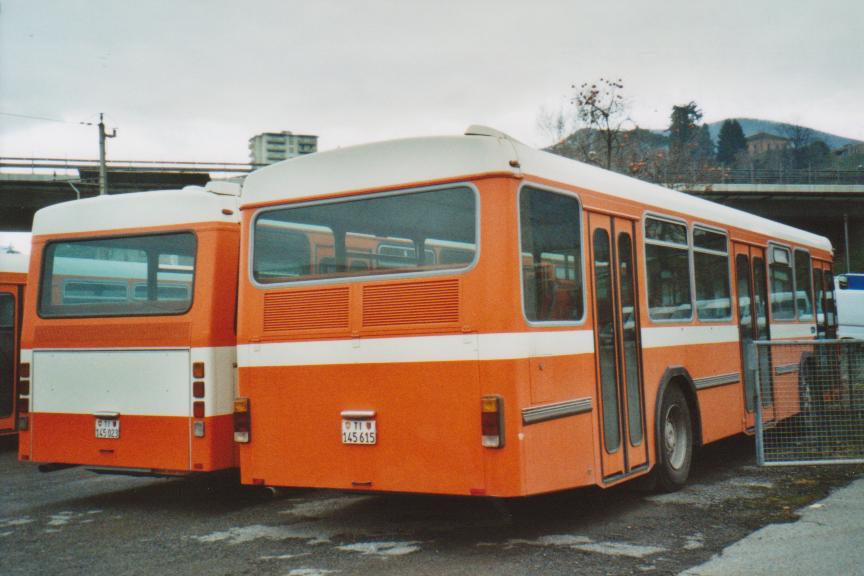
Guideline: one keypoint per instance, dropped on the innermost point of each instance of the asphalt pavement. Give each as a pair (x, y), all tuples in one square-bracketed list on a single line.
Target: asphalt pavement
[(73, 522), (827, 539)]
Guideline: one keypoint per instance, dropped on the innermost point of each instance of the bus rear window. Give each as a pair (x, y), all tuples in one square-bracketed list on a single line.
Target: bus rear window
[(384, 234), (125, 276)]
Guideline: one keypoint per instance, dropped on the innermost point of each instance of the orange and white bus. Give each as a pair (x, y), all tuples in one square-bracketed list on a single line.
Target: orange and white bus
[(496, 320), (129, 332), (13, 278)]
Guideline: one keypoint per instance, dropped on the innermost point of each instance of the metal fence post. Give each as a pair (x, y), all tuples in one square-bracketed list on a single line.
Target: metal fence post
[(757, 402)]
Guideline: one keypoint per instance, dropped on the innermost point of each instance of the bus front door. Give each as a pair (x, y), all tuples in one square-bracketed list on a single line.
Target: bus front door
[(618, 355)]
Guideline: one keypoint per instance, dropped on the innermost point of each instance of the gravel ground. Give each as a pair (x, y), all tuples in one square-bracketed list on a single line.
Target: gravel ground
[(76, 522)]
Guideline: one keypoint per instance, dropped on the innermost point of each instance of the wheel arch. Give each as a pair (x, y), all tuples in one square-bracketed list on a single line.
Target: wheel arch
[(678, 376)]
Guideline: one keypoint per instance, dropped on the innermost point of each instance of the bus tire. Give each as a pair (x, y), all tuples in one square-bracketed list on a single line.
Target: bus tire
[(675, 442)]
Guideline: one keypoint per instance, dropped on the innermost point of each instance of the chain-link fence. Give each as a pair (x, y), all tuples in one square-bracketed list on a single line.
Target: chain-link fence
[(809, 401)]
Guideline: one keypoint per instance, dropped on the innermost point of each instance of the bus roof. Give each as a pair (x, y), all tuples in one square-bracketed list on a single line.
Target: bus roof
[(14, 262), (482, 151), (136, 210)]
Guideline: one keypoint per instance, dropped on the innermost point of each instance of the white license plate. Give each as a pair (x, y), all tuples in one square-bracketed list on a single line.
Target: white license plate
[(359, 431), (108, 428)]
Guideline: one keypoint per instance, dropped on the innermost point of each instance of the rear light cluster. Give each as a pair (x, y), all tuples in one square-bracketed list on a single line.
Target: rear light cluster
[(23, 396), (492, 422), (242, 420), (198, 394)]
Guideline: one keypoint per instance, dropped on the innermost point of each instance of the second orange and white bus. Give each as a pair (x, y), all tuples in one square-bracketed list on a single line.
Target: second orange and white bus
[(129, 333)]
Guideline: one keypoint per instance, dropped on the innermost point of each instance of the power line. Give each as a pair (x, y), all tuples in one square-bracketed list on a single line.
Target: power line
[(45, 118)]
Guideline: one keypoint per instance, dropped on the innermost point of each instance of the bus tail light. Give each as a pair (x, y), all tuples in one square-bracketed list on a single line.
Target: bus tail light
[(23, 403), (198, 409), (242, 420), (492, 422)]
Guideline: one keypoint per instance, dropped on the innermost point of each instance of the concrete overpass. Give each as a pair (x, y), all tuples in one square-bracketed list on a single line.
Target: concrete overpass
[(832, 210), (28, 184), (828, 202)]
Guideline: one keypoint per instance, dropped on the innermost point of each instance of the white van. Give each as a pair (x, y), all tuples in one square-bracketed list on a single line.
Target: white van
[(850, 305)]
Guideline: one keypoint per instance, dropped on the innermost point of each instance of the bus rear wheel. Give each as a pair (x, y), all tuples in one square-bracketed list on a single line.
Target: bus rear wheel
[(675, 442)]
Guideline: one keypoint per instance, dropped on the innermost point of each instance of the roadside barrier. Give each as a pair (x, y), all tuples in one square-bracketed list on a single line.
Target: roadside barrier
[(809, 398)]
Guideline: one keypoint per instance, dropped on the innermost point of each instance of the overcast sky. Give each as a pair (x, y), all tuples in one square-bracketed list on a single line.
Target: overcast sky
[(194, 79)]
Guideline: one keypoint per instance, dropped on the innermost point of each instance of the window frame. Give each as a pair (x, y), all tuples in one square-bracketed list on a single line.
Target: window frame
[(688, 248), (582, 240), (44, 263), (769, 260), (728, 254), (348, 279)]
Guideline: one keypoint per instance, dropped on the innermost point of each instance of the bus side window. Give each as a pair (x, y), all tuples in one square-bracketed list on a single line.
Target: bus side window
[(803, 288), (667, 262), (711, 272), (551, 232), (782, 291)]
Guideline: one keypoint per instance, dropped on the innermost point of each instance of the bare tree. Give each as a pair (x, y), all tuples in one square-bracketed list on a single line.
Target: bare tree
[(800, 139), (799, 136), (602, 111), (554, 125)]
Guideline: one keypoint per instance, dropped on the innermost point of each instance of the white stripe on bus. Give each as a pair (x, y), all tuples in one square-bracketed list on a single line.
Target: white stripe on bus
[(449, 348), (462, 347)]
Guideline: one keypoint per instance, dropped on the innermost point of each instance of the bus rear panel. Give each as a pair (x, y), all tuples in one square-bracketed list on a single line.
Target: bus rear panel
[(129, 344)]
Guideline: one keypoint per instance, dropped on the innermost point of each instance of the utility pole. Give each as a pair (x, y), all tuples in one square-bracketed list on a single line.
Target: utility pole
[(103, 176)]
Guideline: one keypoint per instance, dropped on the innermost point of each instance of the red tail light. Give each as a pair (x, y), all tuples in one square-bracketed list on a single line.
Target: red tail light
[(23, 405), (24, 387), (198, 370), (24, 370), (198, 389), (492, 422), (242, 420), (198, 409)]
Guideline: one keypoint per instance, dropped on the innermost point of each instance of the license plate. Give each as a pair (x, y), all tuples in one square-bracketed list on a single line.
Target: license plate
[(107, 428), (359, 432)]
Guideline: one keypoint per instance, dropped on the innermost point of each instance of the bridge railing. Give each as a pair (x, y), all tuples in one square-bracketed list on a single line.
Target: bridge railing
[(38, 165), (762, 176), (706, 175)]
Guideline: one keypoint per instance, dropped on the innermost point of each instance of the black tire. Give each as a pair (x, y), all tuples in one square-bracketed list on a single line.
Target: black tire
[(674, 442)]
